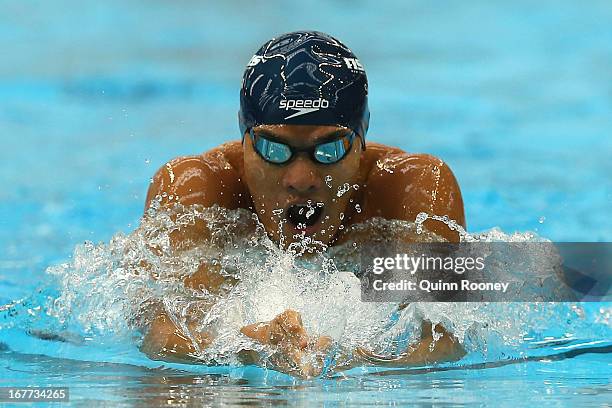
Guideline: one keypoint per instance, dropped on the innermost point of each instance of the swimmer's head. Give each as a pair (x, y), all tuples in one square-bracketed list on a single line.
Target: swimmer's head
[(303, 118), (304, 78)]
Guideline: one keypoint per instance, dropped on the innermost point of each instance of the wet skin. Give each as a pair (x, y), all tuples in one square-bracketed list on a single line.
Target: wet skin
[(384, 182)]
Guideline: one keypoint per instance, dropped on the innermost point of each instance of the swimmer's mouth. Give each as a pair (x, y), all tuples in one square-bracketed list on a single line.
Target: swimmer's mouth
[(304, 216)]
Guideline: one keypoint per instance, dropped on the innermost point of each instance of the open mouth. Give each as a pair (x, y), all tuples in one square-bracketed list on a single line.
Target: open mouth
[(303, 216)]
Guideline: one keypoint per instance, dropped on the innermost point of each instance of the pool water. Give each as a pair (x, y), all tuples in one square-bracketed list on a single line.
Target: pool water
[(515, 97)]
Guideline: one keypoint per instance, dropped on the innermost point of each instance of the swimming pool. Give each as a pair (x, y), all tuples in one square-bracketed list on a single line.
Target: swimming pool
[(516, 97)]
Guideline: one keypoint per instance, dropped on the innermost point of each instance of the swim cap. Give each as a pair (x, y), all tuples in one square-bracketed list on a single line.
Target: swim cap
[(304, 78)]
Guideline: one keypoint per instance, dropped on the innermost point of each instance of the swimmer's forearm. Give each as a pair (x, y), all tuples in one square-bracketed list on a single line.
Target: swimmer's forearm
[(165, 341), (445, 349)]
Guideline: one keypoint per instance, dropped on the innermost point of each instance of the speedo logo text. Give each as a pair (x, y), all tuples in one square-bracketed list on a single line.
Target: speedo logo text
[(303, 106)]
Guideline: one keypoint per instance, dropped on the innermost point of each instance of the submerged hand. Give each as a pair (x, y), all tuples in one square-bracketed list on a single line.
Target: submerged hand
[(297, 353), (444, 348), (165, 341)]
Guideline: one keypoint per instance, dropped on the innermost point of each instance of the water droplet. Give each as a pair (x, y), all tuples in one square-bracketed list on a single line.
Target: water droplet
[(343, 189), (328, 181), (420, 219), (310, 211), (542, 219)]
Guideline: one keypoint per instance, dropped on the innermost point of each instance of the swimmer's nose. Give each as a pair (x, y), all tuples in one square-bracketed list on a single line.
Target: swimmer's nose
[(301, 177)]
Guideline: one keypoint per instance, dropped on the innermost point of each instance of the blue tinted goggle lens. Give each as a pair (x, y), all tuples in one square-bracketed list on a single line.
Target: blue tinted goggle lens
[(331, 152), (325, 153), (273, 152)]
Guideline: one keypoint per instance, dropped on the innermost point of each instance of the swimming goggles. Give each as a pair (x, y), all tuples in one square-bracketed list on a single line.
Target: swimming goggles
[(329, 151)]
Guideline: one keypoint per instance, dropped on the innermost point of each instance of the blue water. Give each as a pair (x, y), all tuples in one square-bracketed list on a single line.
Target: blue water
[(515, 96)]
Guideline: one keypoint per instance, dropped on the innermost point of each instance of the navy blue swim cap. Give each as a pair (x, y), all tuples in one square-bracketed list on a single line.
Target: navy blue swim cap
[(304, 78)]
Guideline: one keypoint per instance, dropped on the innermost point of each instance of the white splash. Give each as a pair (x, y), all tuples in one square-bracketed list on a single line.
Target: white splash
[(118, 287)]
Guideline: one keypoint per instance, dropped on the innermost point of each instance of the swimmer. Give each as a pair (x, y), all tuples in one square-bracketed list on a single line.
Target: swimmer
[(304, 167)]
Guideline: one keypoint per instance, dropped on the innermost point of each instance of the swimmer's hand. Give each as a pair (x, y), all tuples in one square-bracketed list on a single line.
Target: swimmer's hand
[(165, 341), (445, 347), (297, 353)]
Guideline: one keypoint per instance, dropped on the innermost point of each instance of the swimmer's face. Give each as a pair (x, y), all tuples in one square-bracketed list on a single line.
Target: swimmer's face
[(302, 197)]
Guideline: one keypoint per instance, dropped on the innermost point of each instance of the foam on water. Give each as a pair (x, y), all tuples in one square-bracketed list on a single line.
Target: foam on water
[(115, 289)]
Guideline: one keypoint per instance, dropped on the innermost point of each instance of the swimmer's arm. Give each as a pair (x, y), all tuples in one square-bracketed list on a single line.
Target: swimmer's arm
[(190, 180), (184, 180), (444, 348), (166, 342)]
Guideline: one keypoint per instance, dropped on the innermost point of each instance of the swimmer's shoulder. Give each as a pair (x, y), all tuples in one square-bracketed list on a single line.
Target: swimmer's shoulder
[(380, 158), (213, 177), (375, 151), (400, 185)]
